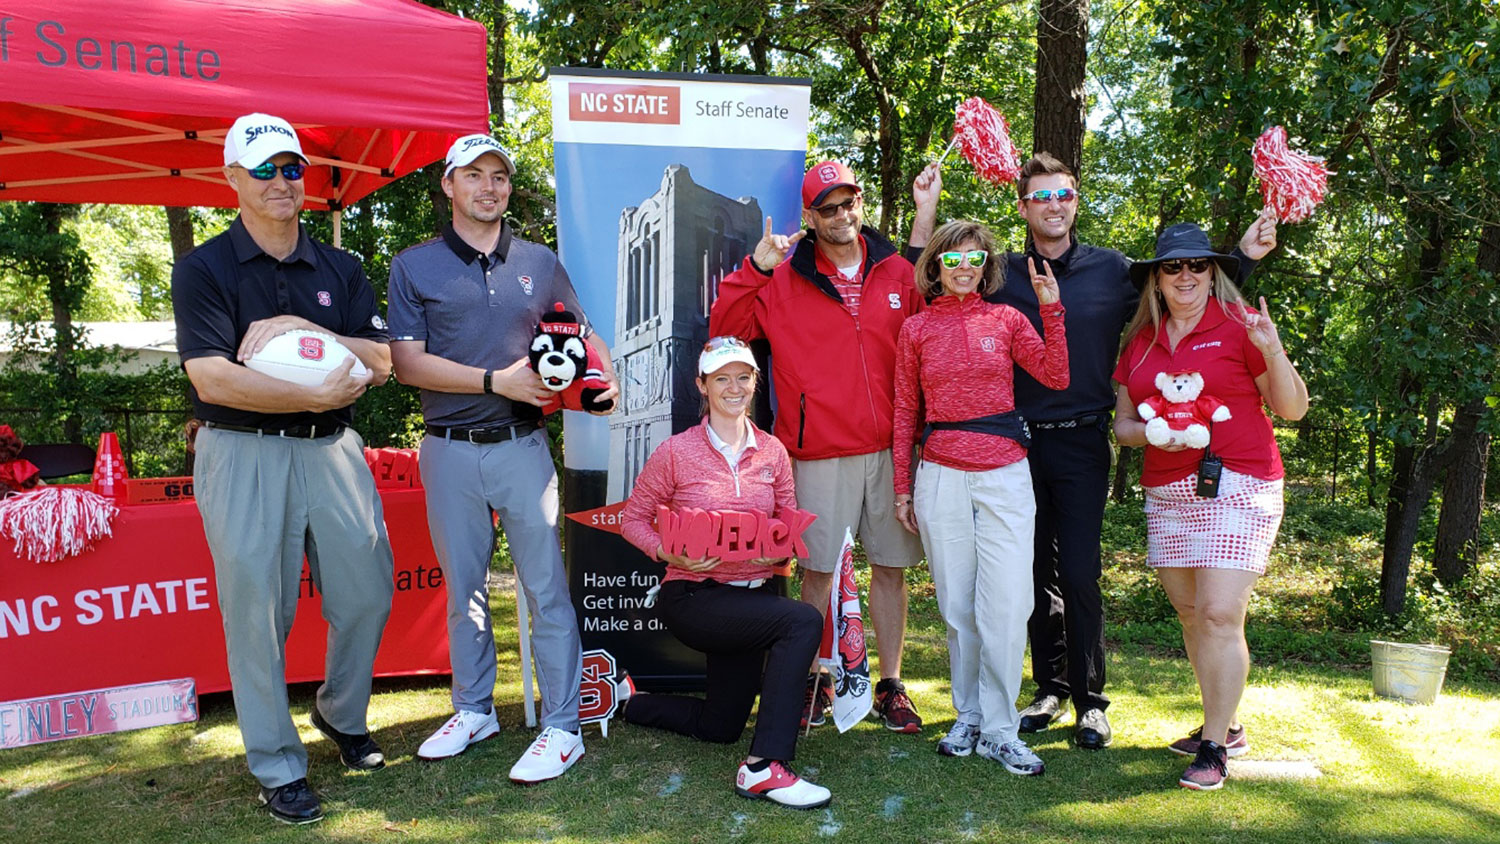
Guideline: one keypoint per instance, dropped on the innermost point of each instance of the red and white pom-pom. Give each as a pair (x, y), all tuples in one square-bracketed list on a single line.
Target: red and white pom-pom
[(983, 136), (54, 522), (1291, 183)]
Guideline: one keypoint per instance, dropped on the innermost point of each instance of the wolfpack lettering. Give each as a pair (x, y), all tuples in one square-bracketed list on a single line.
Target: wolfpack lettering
[(732, 535)]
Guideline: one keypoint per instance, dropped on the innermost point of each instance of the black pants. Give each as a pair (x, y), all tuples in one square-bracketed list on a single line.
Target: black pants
[(1070, 475), (756, 641)]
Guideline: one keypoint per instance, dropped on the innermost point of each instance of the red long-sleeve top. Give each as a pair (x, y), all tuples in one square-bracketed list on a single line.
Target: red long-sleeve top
[(957, 358), (687, 471)]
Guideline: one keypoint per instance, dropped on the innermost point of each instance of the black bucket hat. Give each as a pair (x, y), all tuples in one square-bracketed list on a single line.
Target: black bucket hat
[(1184, 240)]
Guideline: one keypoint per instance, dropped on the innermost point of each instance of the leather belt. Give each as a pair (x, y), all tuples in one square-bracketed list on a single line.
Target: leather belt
[(499, 434), (1088, 420), (296, 432)]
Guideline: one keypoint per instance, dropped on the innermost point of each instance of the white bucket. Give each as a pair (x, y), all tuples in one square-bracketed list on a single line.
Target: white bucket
[(1410, 673)]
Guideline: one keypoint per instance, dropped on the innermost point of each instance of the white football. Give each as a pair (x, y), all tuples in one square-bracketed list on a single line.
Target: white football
[(303, 357)]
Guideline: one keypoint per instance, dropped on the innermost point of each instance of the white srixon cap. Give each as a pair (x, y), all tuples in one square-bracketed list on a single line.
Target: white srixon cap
[(466, 149), (722, 351), (255, 138)]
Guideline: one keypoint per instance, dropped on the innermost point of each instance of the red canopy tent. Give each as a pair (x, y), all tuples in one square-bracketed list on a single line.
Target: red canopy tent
[(102, 101)]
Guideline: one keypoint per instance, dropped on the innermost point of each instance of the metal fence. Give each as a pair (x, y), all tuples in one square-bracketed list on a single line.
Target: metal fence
[(152, 439)]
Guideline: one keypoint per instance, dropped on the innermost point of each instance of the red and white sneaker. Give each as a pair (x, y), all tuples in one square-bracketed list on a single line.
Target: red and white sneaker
[(460, 731), (552, 753), (778, 783)]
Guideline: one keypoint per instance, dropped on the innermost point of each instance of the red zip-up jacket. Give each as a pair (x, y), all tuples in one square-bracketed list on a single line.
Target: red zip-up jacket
[(834, 375), (959, 358)]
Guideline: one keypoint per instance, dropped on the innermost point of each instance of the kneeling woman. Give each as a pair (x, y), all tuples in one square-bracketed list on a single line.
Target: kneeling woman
[(756, 641), (973, 505)]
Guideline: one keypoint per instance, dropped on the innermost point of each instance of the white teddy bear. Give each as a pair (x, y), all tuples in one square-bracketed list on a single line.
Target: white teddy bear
[(1181, 414)]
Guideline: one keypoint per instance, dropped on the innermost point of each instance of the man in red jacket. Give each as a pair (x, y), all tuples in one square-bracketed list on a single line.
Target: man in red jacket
[(831, 312)]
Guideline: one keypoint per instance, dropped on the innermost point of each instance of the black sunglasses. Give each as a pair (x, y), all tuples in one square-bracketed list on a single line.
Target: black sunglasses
[(1197, 265), (828, 212)]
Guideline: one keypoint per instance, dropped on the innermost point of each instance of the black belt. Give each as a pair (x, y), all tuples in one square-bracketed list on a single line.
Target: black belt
[(481, 436), (298, 432), (1088, 420)]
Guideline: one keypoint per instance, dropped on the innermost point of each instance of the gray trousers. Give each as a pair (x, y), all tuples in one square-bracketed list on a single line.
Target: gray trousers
[(266, 501), (467, 484)]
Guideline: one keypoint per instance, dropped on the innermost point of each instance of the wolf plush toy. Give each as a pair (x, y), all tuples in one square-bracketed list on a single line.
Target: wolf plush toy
[(1181, 414), (568, 365)]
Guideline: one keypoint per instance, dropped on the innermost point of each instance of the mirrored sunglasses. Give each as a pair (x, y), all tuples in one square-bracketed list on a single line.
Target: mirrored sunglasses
[(728, 341), (974, 258), (1044, 195), (267, 171)]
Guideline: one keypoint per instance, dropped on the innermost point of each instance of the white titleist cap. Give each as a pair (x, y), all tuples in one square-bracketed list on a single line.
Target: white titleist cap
[(722, 351), (255, 138), (466, 149)]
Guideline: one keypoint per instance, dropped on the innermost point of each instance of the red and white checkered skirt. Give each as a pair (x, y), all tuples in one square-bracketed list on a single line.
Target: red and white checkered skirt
[(1235, 530)]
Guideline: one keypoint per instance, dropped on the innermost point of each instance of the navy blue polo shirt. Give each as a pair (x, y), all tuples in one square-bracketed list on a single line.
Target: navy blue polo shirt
[(478, 310), (229, 282)]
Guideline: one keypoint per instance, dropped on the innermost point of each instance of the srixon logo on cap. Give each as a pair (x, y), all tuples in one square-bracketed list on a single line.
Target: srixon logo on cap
[(253, 132)]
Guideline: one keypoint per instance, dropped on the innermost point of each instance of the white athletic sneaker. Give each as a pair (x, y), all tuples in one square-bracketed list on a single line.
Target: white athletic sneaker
[(778, 783), (1014, 755), (960, 740), (552, 753), (455, 736)]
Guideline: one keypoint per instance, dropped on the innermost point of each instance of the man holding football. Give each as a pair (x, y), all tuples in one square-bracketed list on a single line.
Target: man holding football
[(278, 471)]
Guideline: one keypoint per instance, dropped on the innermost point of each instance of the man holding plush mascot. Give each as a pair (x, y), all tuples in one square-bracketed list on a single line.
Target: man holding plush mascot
[(464, 308), (277, 461)]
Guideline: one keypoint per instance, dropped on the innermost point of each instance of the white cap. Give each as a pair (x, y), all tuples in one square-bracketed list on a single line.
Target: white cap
[(255, 138), (719, 352), (466, 149)]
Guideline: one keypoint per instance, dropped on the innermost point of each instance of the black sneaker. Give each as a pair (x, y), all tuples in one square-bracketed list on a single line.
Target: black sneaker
[(817, 701), (293, 803), (358, 752)]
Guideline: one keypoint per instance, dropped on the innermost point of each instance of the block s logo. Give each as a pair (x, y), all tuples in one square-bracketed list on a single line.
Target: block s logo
[(310, 348), (895, 300), (600, 688), (828, 173)]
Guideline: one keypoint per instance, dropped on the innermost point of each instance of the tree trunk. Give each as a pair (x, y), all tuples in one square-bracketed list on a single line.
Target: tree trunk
[(1457, 547), (1120, 489), (1372, 470), (1059, 105), (61, 294), (180, 230), (888, 142), (498, 30)]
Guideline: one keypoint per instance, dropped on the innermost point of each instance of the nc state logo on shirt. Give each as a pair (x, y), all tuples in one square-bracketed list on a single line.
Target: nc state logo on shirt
[(324, 299), (987, 343), (766, 475), (895, 300), (526, 284)]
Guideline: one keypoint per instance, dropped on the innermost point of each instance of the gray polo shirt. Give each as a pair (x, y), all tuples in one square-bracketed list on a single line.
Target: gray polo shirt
[(474, 309)]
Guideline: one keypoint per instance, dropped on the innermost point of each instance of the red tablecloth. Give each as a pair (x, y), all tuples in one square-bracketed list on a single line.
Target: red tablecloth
[(142, 606)]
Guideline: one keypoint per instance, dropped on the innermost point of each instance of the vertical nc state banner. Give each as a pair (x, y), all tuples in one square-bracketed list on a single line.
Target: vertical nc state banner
[(664, 182)]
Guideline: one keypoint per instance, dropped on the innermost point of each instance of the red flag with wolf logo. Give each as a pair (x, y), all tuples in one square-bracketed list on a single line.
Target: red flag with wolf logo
[(843, 647)]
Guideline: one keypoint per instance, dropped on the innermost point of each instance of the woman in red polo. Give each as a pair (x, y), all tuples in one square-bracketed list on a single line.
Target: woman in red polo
[(1208, 551)]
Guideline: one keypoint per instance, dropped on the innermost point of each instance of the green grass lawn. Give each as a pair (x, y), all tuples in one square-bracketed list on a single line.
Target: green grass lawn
[(1389, 772)]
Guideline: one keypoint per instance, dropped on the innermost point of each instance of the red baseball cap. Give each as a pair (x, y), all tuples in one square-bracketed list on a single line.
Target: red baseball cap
[(823, 178)]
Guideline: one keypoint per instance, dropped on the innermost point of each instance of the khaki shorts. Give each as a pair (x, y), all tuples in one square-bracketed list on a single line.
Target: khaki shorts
[(857, 492)]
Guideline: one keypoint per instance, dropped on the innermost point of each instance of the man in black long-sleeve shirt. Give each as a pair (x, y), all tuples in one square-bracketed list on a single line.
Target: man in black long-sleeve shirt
[(1070, 450)]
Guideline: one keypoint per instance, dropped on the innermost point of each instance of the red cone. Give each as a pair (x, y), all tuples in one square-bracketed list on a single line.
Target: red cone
[(109, 467)]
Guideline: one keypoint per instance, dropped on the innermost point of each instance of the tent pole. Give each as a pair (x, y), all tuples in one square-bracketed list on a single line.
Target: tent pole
[(338, 225)]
